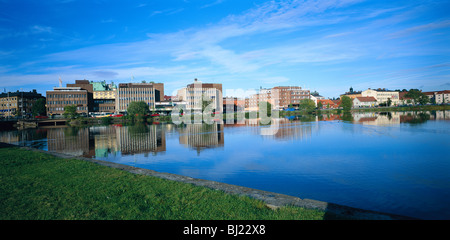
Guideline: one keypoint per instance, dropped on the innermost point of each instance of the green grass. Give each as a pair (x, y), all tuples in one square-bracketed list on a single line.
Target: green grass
[(39, 186)]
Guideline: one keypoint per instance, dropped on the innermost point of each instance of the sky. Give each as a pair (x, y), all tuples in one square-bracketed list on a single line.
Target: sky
[(326, 46)]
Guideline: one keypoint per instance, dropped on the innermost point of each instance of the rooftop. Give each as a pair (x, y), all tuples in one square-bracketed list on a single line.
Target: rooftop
[(366, 99)]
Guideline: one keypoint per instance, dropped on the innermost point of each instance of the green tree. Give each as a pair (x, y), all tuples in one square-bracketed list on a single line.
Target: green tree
[(307, 105), (417, 96), (389, 102), (423, 99), (346, 103), (70, 112), (138, 109), (39, 108), (320, 105)]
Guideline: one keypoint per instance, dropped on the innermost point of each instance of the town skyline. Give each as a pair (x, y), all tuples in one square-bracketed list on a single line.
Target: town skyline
[(325, 46)]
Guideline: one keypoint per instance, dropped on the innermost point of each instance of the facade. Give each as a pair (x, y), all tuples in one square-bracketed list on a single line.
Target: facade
[(279, 97), (126, 93), (85, 85), (252, 103), (364, 102), (104, 97), (14, 104), (233, 104), (61, 97), (193, 94), (285, 96), (382, 95), (327, 104), (439, 97)]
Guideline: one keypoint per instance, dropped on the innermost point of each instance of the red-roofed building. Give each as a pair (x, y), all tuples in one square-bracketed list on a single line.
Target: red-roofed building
[(327, 103), (364, 102), (439, 97)]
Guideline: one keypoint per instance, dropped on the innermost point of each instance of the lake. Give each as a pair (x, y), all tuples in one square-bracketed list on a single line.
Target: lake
[(393, 162)]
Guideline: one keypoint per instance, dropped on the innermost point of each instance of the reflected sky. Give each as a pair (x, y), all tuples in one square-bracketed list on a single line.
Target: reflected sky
[(395, 162)]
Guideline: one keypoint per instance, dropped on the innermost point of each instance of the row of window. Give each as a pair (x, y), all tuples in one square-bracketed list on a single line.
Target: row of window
[(136, 98), (62, 109), (66, 96), (67, 102), (135, 92)]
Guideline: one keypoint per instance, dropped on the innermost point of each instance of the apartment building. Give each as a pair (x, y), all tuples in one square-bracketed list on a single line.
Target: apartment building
[(194, 94), (18, 103), (279, 97), (439, 97), (285, 96), (126, 93), (61, 97)]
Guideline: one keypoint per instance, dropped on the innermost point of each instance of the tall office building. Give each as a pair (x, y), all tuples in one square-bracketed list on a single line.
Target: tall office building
[(194, 94), (61, 97), (134, 92)]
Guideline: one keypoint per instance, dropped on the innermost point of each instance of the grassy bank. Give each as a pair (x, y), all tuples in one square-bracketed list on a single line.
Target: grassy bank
[(35, 185)]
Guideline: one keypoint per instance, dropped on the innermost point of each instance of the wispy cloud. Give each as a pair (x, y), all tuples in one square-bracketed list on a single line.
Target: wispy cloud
[(212, 4), (421, 28), (110, 20), (170, 11)]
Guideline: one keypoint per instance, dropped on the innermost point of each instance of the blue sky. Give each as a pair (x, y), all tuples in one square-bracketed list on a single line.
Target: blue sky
[(325, 46)]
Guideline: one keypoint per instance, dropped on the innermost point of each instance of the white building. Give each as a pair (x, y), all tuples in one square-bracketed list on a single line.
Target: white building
[(439, 97), (364, 102), (196, 92), (382, 95)]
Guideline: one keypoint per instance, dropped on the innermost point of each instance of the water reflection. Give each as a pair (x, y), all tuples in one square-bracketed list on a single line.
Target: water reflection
[(201, 136), (102, 141)]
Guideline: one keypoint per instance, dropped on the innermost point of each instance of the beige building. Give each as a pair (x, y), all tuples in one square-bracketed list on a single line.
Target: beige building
[(104, 97), (126, 93), (14, 104), (194, 93), (382, 95)]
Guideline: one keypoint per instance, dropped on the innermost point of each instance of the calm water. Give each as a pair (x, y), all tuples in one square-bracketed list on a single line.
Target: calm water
[(391, 162)]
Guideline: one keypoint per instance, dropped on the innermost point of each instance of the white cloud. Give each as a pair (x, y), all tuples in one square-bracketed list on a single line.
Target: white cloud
[(41, 29)]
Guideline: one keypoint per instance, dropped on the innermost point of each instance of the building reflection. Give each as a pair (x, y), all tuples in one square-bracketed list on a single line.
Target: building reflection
[(388, 118), (201, 136), (72, 141), (380, 119), (141, 138), (25, 138), (105, 140), (101, 141)]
